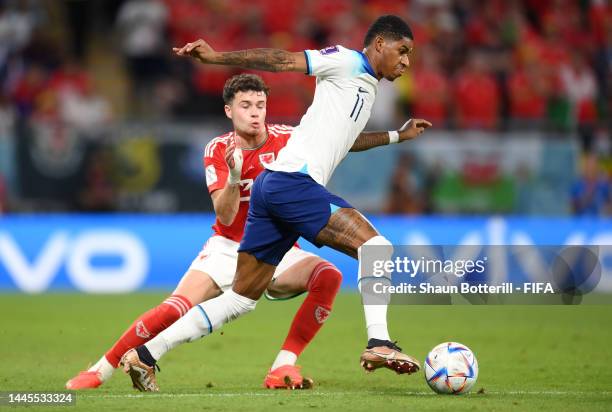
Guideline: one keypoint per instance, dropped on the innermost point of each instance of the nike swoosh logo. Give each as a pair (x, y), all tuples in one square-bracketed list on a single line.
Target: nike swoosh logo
[(383, 355), (361, 90)]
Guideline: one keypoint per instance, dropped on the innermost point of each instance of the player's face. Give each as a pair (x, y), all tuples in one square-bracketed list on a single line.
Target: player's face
[(248, 112), (395, 57)]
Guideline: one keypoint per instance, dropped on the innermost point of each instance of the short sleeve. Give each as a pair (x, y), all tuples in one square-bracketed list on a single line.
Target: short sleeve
[(216, 170), (336, 61)]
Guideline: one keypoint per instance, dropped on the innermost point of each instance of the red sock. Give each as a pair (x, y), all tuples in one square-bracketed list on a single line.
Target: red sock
[(148, 325), (322, 289)]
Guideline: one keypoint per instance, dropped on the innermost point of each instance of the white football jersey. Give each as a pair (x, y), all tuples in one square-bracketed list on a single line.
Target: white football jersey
[(345, 92)]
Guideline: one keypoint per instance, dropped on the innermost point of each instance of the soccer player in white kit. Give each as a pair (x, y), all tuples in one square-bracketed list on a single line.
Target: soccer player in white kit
[(289, 200)]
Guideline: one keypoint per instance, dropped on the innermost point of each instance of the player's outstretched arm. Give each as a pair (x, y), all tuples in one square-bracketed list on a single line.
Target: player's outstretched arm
[(272, 60), (409, 130)]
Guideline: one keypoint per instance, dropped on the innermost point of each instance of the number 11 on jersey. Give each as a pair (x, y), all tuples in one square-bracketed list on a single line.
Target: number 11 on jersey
[(359, 102)]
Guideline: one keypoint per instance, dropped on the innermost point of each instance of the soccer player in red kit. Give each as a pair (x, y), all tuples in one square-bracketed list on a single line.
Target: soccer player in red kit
[(232, 163)]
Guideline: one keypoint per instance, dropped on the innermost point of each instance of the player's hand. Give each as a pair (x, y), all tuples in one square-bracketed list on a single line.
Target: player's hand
[(233, 158), (412, 128), (198, 49)]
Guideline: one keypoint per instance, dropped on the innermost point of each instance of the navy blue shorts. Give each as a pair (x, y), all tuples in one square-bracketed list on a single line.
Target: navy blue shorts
[(285, 206)]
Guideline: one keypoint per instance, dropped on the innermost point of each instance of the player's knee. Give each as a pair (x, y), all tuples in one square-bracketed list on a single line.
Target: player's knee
[(379, 249), (383, 247), (378, 241), (166, 309), (240, 304)]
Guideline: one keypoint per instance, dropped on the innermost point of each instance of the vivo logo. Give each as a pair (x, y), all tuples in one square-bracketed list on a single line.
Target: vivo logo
[(77, 252)]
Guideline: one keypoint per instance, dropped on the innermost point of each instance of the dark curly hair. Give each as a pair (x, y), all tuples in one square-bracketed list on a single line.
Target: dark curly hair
[(243, 83), (388, 26)]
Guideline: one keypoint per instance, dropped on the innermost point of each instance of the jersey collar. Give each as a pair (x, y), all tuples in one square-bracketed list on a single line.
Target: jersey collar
[(260, 145), (366, 64)]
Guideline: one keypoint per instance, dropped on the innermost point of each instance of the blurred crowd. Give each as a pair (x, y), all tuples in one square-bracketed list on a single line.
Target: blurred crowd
[(491, 65)]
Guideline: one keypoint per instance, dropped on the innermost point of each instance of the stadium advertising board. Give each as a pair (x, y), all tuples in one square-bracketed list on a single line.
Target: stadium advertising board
[(124, 253)]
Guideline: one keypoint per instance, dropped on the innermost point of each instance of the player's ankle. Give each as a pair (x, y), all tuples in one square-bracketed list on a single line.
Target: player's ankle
[(145, 356), (373, 343), (284, 357)]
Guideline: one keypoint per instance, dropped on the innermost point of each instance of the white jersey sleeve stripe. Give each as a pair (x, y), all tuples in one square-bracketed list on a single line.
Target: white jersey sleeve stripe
[(210, 147)]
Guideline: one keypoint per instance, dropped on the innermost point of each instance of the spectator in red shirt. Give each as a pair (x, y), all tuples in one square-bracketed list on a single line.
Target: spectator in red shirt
[(552, 52), (291, 93), (528, 91), (600, 19), (580, 86), (431, 89), (186, 19), (279, 16), (477, 95)]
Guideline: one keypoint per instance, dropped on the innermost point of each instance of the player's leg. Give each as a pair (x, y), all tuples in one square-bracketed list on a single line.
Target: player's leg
[(309, 210), (299, 272), (252, 277), (196, 286), (349, 231), (264, 244)]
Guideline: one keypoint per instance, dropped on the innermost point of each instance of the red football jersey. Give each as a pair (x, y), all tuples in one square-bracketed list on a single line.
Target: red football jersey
[(252, 165)]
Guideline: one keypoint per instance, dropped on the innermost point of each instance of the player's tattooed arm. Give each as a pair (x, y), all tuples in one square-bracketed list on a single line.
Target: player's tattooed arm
[(409, 130), (369, 140), (273, 60)]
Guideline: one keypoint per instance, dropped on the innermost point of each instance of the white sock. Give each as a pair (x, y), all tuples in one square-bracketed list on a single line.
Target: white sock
[(284, 357), (376, 315), (376, 321), (104, 368), (193, 325), (200, 321), (227, 307)]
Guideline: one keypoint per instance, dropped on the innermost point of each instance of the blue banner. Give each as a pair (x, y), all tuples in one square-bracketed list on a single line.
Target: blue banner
[(123, 253)]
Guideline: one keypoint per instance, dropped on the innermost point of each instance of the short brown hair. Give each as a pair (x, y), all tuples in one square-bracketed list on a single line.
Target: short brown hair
[(243, 83)]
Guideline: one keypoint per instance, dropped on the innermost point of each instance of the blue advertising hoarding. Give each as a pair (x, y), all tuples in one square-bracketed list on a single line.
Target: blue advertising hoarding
[(124, 253)]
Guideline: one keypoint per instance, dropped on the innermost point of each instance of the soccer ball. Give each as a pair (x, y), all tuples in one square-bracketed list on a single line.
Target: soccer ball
[(452, 368)]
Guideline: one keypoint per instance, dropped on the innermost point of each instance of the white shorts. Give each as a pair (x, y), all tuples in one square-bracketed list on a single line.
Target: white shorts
[(219, 257)]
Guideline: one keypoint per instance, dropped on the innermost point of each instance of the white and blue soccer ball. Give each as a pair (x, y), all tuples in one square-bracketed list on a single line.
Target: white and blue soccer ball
[(451, 368)]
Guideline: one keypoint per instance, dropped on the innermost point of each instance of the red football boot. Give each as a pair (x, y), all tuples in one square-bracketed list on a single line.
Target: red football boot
[(287, 377), (84, 380)]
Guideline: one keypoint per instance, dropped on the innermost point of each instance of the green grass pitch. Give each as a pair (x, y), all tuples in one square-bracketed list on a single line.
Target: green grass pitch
[(531, 357)]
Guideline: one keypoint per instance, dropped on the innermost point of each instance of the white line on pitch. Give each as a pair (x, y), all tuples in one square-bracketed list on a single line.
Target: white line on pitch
[(314, 393)]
